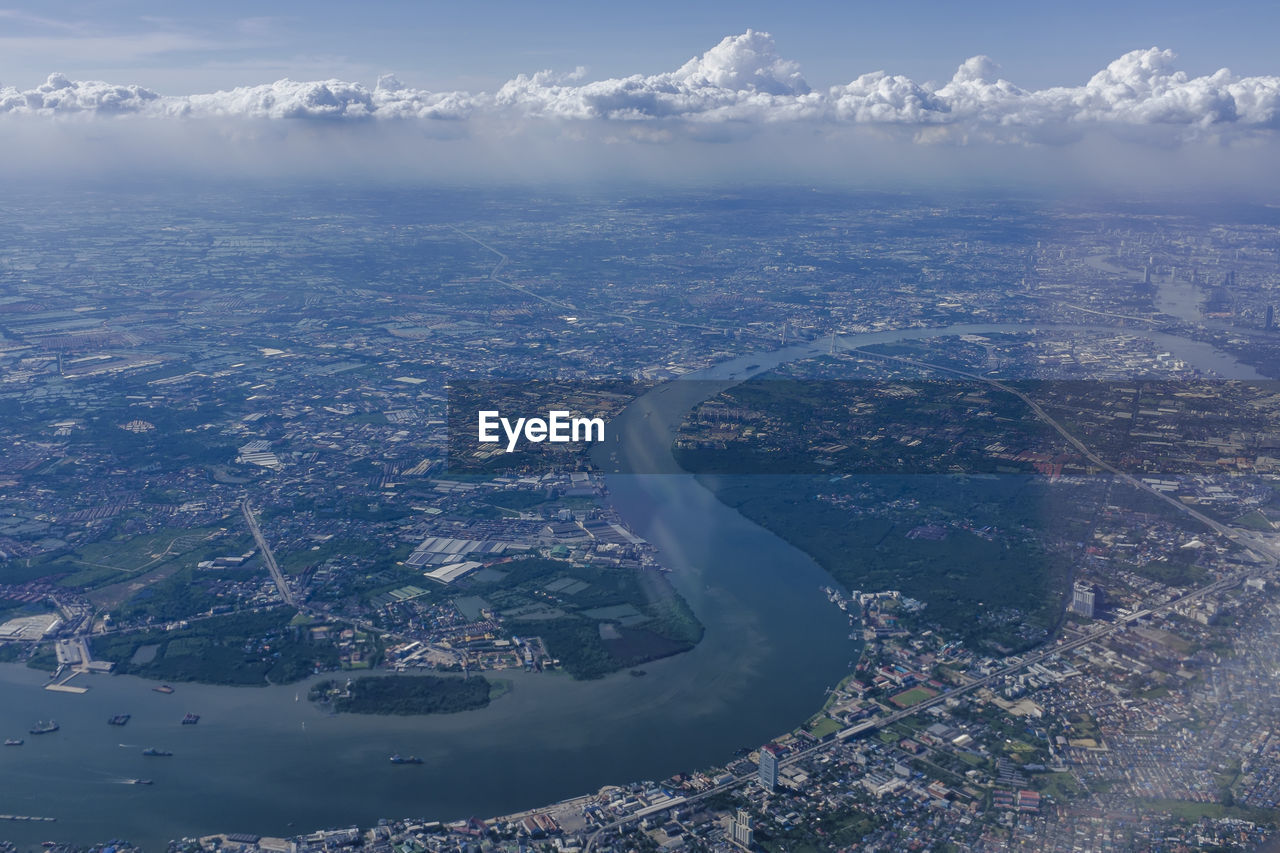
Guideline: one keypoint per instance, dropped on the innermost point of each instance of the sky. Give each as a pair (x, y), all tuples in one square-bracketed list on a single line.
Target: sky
[(1139, 92), (177, 48)]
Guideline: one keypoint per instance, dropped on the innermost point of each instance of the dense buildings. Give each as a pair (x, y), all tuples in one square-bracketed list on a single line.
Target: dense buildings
[(1036, 478)]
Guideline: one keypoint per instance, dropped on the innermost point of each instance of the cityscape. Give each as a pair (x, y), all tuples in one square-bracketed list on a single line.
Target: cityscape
[(716, 458), (245, 483)]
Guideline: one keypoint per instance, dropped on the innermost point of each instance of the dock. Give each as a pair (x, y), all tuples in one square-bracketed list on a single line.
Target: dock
[(64, 687)]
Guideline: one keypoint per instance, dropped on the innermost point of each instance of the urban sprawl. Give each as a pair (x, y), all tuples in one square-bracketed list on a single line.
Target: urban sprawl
[(228, 460)]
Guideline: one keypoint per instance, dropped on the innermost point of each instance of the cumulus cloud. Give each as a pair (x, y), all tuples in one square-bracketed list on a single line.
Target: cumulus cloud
[(745, 63), (59, 94), (742, 77), (325, 99), (740, 82)]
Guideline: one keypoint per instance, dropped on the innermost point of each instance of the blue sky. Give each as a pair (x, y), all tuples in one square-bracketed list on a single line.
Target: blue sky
[(1079, 94), (178, 48)]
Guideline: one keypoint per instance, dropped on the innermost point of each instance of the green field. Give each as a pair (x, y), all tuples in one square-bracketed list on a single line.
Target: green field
[(823, 726), (566, 604), (914, 696), (1255, 520), (124, 558)]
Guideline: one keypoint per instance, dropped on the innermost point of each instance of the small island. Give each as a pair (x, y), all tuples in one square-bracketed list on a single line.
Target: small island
[(404, 695)]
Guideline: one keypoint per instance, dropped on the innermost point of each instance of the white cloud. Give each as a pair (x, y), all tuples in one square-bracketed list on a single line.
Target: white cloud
[(745, 63), (327, 99), (61, 95), (741, 77), (739, 83), (881, 98)]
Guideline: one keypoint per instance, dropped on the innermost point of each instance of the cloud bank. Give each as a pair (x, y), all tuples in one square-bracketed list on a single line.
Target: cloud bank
[(739, 84)]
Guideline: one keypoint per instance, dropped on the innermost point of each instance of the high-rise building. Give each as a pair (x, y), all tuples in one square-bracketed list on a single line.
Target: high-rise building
[(743, 836), (769, 755), (1082, 599)]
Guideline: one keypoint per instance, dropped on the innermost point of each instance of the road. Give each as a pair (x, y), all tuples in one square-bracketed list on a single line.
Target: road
[(286, 594), (868, 726), (1244, 540), (1261, 550), (565, 306), (1149, 320)]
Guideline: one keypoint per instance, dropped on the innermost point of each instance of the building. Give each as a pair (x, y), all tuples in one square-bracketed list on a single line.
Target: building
[(742, 833), (1083, 599), (769, 755)]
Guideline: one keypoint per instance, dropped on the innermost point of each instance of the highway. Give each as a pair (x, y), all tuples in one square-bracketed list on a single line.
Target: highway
[(1148, 320), (286, 593), (1263, 551), (1260, 549), (565, 306), (269, 558)]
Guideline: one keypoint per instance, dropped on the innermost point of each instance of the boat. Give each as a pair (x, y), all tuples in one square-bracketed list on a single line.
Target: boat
[(138, 781), (119, 719), (399, 759), (43, 728), (162, 753), (14, 741), (190, 719), (163, 688)]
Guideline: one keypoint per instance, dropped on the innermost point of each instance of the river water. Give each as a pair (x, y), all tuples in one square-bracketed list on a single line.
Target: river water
[(260, 761), (1178, 299)]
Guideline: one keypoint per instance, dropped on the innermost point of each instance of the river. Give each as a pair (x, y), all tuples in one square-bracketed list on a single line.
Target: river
[(1176, 298), (261, 762)]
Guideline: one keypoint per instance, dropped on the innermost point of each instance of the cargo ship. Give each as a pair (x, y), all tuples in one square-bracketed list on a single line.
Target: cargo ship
[(119, 719), (399, 759), (43, 728), (190, 719), (162, 753)]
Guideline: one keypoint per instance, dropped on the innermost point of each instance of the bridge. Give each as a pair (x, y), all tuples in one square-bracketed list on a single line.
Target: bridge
[(282, 586)]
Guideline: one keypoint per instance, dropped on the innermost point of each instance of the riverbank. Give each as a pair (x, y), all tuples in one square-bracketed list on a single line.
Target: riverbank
[(262, 761)]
